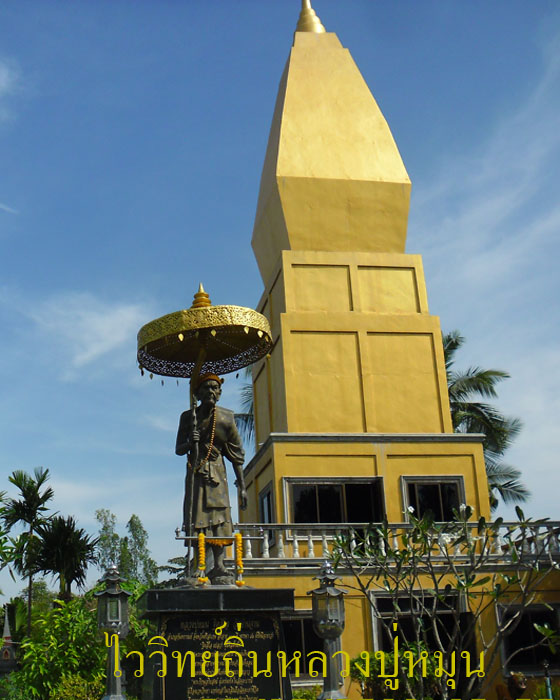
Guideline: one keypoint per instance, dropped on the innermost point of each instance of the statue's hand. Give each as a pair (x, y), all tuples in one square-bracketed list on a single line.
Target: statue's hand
[(195, 436), (243, 499)]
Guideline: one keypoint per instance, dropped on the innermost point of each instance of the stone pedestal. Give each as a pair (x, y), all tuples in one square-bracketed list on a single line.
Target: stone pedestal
[(216, 620)]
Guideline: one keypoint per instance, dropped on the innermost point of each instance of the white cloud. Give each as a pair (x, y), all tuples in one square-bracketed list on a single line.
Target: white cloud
[(486, 209), (488, 230), (6, 208), (79, 329), (87, 328)]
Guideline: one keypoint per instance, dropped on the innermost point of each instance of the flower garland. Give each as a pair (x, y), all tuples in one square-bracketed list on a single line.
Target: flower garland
[(219, 542), (202, 578), (239, 559)]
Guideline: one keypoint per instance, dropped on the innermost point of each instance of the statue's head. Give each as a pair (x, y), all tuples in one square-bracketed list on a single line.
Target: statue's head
[(209, 388)]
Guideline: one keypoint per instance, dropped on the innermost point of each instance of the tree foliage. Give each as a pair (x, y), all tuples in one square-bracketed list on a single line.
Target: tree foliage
[(470, 415), (27, 510), (65, 550), (67, 644), (245, 419), (442, 583), (130, 553)]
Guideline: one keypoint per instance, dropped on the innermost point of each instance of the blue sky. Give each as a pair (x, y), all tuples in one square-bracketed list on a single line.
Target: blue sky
[(132, 137)]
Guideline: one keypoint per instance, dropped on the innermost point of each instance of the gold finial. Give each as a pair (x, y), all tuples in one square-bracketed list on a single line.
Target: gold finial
[(308, 20), (201, 299)]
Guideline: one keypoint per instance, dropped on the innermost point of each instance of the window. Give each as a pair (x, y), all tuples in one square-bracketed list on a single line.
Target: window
[(266, 510), (439, 495), (337, 501), (299, 635), (415, 615), (265, 504), (524, 635), (433, 621)]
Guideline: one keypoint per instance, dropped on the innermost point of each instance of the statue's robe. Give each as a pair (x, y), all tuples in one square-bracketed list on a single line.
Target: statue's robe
[(211, 510)]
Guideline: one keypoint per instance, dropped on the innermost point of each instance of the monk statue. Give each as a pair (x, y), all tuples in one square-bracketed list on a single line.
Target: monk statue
[(217, 437)]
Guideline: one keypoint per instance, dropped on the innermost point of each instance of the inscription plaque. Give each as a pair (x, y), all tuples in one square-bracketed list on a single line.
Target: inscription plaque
[(222, 633), (234, 624)]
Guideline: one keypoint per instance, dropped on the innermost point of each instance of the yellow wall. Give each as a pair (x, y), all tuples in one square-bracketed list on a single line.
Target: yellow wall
[(355, 349), (367, 456)]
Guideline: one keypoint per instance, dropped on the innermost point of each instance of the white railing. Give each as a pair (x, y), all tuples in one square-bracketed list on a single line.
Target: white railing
[(300, 545)]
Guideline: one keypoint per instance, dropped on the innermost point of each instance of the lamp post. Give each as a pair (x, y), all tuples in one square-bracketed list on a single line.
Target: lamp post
[(328, 622), (547, 681), (112, 617)]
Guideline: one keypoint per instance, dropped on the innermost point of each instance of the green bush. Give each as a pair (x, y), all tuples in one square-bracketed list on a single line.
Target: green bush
[(75, 687), (306, 693), (67, 644), (9, 689)]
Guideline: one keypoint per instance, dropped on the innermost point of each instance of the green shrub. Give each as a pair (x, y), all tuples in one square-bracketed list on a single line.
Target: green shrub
[(67, 644), (10, 690), (75, 687), (306, 693)]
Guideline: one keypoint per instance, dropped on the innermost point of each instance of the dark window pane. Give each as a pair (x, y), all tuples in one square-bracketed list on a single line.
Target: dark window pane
[(525, 635), (312, 641), (300, 636), (266, 507), (305, 504), (293, 636), (363, 502), (428, 496), (412, 500), (422, 625), (450, 499), (384, 605), (330, 503)]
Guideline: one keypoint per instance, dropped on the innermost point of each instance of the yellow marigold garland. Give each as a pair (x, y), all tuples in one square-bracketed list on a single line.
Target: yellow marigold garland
[(239, 559), (219, 542), (202, 559)]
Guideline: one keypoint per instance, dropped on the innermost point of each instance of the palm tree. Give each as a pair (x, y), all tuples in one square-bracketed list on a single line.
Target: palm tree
[(65, 551), (471, 416), (246, 420), (28, 510)]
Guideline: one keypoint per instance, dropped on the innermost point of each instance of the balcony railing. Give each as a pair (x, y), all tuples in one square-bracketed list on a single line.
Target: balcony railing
[(297, 546)]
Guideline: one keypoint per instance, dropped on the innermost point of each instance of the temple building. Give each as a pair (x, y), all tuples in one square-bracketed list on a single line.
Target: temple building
[(351, 407)]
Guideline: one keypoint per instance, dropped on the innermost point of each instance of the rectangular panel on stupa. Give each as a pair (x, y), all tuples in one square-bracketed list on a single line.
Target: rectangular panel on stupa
[(402, 385), (323, 381), (377, 373), (360, 282), (388, 289)]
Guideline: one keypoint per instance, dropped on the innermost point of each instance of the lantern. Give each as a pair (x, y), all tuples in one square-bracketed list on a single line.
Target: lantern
[(328, 622), (327, 605), (112, 605)]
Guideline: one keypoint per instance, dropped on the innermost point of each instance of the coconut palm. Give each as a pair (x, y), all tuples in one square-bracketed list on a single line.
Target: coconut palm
[(246, 420), (471, 416), (27, 510), (65, 551)]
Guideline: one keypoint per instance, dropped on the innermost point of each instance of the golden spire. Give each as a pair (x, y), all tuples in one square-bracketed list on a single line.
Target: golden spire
[(308, 20), (201, 298)]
